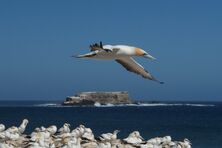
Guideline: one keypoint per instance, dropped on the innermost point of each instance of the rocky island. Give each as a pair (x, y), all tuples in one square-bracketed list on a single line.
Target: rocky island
[(103, 98)]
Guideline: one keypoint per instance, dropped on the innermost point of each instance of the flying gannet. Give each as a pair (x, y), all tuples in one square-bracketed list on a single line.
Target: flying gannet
[(123, 55)]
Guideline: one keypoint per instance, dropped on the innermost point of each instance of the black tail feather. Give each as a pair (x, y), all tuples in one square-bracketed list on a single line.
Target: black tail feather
[(101, 44)]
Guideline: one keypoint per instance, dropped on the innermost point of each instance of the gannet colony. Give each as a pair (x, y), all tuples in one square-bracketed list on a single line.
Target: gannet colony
[(80, 137)]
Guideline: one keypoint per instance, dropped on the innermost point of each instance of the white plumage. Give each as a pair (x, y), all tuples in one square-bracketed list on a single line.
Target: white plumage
[(65, 128), (109, 136), (123, 55), (2, 127), (134, 138)]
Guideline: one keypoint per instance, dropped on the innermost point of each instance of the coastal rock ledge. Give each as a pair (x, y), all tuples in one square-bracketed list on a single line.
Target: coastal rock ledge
[(91, 98)]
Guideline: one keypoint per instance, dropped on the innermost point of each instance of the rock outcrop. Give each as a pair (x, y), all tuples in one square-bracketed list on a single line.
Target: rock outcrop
[(90, 98)]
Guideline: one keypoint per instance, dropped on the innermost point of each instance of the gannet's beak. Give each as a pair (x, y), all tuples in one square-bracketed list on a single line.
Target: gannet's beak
[(141, 137), (146, 55)]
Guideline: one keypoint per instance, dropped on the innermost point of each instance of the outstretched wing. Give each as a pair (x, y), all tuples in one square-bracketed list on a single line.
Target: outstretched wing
[(87, 55), (131, 65)]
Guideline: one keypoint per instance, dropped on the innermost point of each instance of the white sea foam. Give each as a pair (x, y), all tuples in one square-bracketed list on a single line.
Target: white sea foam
[(156, 104), (97, 104), (47, 105), (200, 105)]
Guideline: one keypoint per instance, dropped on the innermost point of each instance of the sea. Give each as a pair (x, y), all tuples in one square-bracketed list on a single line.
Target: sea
[(200, 122)]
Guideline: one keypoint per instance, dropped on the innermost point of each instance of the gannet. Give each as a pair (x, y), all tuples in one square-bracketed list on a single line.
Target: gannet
[(2, 127), (52, 129), (134, 138), (79, 131), (23, 125), (82, 128), (166, 139), (109, 136), (65, 128), (123, 55), (185, 144), (88, 134)]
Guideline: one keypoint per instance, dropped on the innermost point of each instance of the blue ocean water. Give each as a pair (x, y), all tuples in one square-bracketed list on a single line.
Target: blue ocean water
[(199, 122)]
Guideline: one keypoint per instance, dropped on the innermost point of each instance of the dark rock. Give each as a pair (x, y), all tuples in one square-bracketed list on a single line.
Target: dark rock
[(90, 98)]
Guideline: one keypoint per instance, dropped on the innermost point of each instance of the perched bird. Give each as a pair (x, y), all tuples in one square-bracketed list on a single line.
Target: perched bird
[(185, 144), (134, 138), (109, 136), (88, 134), (123, 55), (52, 129), (2, 127), (65, 128), (23, 125), (79, 131), (166, 139)]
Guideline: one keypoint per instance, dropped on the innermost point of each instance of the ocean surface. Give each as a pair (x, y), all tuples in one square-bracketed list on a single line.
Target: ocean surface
[(200, 122)]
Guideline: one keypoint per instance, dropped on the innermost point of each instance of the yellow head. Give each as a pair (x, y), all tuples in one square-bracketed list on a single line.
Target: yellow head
[(141, 52)]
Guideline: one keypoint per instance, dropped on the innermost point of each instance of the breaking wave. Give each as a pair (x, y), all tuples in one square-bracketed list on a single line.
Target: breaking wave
[(97, 104), (155, 104)]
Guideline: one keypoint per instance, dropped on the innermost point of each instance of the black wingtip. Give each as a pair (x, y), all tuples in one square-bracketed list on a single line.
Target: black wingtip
[(158, 81)]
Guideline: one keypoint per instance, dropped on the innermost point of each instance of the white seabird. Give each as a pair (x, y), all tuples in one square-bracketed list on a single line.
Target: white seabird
[(2, 127), (65, 128), (109, 136), (134, 138), (185, 144), (23, 125), (123, 55), (88, 134), (52, 129)]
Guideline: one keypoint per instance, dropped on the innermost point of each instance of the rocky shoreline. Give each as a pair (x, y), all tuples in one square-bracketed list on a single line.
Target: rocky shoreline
[(79, 137)]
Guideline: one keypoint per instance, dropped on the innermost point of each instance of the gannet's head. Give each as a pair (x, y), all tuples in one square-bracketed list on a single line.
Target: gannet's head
[(137, 134), (187, 141), (25, 122), (167, 138), (2, 127), (67, 125), (52, 129), (81, 126), (116, 131), (141, 52)]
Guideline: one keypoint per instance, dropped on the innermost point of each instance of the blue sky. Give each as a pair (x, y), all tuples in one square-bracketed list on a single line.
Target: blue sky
[(37, 39)]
